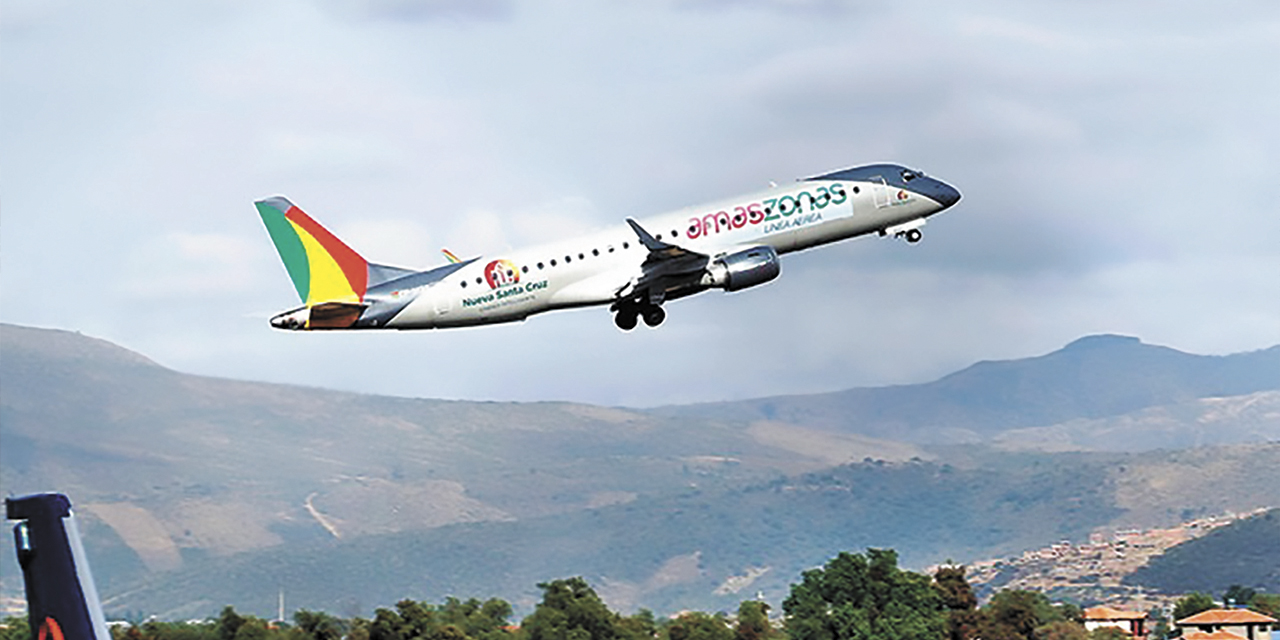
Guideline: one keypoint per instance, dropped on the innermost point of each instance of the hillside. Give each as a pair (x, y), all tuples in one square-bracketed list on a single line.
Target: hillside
[(1094, 377), (709, 549), (168, 466), (197, 492), (1246, 553)]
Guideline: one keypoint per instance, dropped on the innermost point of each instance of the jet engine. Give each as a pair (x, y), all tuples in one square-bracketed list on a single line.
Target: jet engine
[(746, 268)]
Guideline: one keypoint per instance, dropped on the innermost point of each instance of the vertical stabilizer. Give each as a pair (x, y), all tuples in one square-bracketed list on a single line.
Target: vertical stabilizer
[(62, 602), (322, 267)]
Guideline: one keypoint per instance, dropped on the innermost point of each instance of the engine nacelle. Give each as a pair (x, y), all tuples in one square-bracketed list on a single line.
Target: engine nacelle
[(746, 268)]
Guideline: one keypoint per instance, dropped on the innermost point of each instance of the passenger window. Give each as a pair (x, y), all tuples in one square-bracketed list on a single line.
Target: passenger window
[(626, 246), (553, 262), (582, 256), (595, 252), (539, 265), (568, 259)]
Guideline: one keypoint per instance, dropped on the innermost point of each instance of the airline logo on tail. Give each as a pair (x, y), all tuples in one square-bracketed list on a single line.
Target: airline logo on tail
[(322, 268), (50, 630)]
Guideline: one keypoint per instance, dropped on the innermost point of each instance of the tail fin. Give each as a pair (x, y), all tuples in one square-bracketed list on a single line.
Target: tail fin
[(62, 602), (322, 268)]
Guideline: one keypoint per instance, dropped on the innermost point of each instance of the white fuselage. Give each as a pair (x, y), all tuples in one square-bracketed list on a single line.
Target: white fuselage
[(594, 269)]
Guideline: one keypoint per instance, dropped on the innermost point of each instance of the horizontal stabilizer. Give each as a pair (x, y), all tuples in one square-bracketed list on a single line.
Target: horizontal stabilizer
[(380, 273)]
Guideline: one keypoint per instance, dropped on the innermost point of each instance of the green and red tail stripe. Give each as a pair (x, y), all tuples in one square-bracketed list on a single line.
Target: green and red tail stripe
[(322, 267)]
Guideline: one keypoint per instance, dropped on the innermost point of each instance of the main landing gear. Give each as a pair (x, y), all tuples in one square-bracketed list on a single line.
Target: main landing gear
[(629, 316)]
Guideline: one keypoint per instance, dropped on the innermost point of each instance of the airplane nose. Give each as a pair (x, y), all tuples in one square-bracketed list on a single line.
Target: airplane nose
[(945, 194)]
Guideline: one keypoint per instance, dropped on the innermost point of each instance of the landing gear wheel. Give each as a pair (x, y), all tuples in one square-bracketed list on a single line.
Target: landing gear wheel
[(913, 235), (653, 316), (626, 319)]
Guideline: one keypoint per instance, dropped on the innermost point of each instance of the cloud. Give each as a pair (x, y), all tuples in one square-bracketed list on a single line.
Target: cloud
[(424, 10), (189, 265), (1112, 159)]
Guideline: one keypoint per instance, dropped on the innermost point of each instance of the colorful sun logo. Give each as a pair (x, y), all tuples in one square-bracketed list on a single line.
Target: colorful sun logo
[(501, 273), (902, 194)]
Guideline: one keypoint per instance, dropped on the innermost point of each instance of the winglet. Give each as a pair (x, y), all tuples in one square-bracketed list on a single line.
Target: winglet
[(450, 257), (62, 601), (650, 242)]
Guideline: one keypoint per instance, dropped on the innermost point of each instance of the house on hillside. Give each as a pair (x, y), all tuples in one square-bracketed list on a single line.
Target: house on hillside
[(1133, 623), (1227, 624)]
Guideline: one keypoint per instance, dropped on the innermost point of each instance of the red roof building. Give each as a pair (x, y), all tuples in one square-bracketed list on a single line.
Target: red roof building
[(1241, 623), (1216, 635), (1130, 622)]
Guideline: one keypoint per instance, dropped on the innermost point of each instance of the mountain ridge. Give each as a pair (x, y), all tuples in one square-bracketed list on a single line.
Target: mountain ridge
[(177, 474), (1092, 377)]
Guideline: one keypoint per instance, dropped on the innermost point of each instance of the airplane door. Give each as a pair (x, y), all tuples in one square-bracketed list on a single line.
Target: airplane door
[(879, 192), (865, 203)]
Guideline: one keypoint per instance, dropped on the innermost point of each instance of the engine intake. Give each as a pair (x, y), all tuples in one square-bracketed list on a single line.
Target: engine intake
[(746, 268)]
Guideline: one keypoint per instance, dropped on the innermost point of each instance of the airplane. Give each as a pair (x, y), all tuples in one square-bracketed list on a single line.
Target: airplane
[(635, 268), (62, 601)]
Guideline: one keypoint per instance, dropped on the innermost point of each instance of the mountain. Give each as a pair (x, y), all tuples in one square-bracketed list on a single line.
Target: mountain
[(196, 492), (1092, 378), (709, 549), (1253, 417), (1246, 553), (168, 467)]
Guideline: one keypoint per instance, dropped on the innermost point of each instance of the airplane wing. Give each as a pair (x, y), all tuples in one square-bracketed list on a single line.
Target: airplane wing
[(666, 266)]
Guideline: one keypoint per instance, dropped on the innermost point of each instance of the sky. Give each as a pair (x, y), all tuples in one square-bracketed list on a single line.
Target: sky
[(1119, 163)]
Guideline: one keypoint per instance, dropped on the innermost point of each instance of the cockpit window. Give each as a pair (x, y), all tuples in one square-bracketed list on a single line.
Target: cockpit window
[(908, 175)]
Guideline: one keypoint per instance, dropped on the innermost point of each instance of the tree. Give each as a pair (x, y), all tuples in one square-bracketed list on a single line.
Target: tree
[(1162, 631), (1062, 630), (570, 610), (696, 625), (1191, 604), (252, 629), (15, 628), (957, 595), (963, 618), (753, 621), (319, 625), (641, 626), (855, 598), (1266, 603), (358, 629), (1237, 595), (480, 620), (1108, 633), (1016, 614), (229, 622)]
